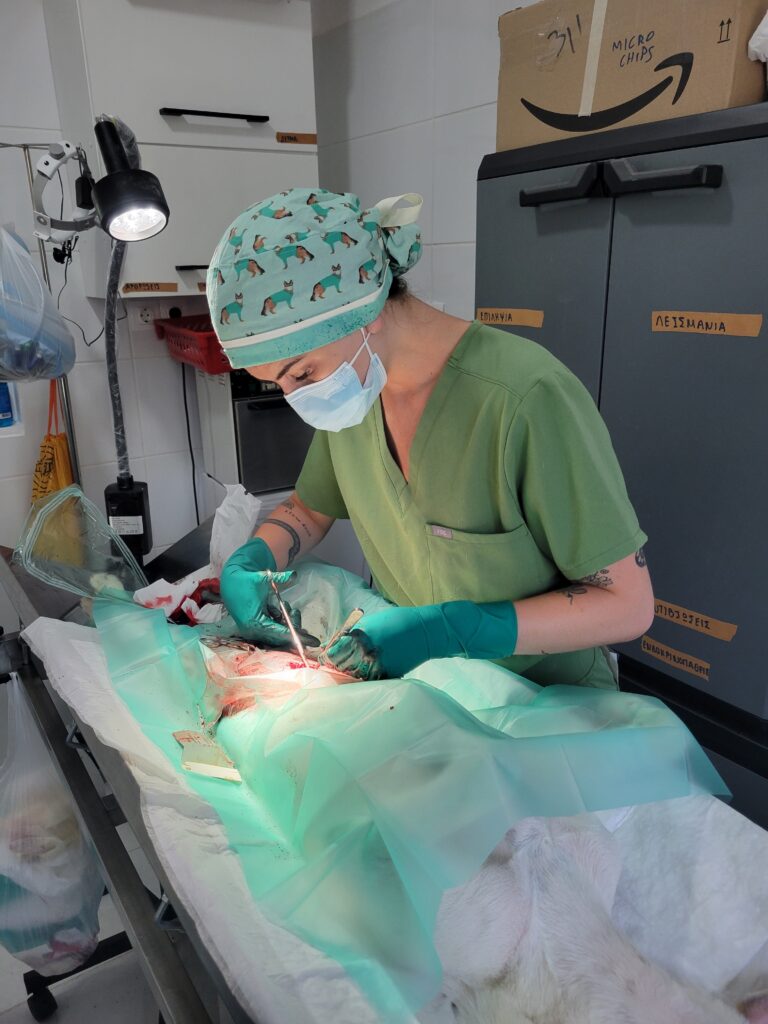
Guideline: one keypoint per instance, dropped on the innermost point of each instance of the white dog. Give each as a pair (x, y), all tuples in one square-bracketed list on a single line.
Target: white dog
[(513, 954)]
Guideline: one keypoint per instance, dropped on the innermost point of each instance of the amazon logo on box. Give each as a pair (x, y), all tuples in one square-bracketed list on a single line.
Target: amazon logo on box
[(569, 68)]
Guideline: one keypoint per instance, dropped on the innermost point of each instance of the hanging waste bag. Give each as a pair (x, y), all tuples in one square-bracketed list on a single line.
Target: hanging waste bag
[(34, 341), (53, 470), (50, 885), (66, 542)]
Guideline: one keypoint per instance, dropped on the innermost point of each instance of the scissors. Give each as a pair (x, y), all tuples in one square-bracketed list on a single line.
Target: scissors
[(286, 617)]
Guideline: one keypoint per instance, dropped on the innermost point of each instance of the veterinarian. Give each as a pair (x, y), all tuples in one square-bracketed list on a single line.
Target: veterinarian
[(475, 468)]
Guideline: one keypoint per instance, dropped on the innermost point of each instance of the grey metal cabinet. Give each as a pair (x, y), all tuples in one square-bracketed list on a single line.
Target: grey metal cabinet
[(646, 249), (688, 412), (551, 258)]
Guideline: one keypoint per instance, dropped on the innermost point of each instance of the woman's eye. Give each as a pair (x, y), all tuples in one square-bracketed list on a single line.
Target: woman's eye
[(302, 376)]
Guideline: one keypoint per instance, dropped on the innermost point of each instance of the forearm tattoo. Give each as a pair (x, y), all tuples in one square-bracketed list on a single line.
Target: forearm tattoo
[(640, 557), (599, 579), (288, 507), (295, 539), (573, 591)]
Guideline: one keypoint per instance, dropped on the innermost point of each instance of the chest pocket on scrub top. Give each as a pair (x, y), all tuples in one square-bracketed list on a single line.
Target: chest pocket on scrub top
[(486, 566)]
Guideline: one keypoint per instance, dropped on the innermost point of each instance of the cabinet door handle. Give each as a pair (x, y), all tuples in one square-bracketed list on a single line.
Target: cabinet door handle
[(181, 111), (622, 179), (180, 267), (586, 183)]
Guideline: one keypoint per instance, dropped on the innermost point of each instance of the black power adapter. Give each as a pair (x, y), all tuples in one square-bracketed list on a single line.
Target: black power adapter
[(127, 504)]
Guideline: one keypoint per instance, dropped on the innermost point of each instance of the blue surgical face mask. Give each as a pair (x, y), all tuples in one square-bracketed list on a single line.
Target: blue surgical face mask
[(340, 400)]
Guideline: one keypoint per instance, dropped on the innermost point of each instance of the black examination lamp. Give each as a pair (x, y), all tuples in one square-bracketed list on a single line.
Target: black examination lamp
[(129, 201)]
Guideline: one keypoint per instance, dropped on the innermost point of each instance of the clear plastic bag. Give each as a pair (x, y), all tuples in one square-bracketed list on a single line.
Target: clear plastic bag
[(50, 885), (233, 524), (67, 543), (34, 341)]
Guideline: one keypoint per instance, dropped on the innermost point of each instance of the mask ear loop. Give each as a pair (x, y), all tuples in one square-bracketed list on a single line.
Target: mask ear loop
[(364, 345)]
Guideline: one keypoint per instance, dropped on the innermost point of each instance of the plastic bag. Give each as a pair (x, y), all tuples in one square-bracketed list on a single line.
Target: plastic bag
[(50, 885), (34, 341), (233, 524), (67, 543), (53, 470)]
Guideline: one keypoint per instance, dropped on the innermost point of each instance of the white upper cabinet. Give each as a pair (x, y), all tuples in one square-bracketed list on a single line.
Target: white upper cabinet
[(247, 57), (132, 58)]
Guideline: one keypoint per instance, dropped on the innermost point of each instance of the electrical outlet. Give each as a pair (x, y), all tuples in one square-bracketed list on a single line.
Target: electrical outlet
[(143, 312)]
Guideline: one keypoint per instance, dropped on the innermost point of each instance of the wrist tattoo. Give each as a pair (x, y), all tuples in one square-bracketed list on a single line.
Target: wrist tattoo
[(295, 539), (599, 579), (573, 591), (640, 557)]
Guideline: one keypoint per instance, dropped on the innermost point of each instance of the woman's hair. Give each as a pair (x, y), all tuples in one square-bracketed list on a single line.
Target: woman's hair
[(398, 290)]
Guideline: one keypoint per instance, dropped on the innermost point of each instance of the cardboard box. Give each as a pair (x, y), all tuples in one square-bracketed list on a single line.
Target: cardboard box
[(569, 67)]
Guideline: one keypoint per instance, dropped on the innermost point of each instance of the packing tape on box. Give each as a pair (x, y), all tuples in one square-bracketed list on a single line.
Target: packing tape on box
[(593, 57)]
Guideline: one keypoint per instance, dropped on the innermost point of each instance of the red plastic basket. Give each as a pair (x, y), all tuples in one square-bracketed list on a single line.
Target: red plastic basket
[(192, 340)]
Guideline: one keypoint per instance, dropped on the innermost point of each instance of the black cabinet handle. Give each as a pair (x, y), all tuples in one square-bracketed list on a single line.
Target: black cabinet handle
[(621, 179), (181, 111), (586, 183), (180, 267)]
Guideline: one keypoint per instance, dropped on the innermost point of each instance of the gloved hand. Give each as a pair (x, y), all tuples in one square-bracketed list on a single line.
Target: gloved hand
[(247, 593), (387, 644)]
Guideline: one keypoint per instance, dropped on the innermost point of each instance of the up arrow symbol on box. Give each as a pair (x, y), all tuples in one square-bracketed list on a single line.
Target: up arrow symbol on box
[(725, 31)]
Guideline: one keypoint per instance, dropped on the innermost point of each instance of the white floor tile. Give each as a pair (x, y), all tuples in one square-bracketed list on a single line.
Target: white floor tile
[(109, 919), (111, 993), (12, 989)]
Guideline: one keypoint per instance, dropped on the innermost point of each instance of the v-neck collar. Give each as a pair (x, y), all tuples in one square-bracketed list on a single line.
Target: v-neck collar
[(404, 489)]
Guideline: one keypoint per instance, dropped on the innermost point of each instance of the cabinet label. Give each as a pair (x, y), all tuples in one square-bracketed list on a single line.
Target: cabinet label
[(676, 659), (695, 620), (676, 321), (150, 286), (297, 138), (510, 317)]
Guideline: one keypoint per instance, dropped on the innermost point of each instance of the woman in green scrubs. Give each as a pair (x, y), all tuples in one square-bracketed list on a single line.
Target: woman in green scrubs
[(475, 468)]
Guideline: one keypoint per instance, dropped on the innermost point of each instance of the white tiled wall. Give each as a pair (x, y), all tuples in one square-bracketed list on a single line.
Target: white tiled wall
[(151, 382), (406, 102)]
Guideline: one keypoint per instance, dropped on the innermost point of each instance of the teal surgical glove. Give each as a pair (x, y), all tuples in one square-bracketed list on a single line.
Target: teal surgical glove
[(387, 644), (247, 593)]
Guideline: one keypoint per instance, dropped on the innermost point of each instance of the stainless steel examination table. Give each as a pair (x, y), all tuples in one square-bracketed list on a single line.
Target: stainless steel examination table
[(187, 986)]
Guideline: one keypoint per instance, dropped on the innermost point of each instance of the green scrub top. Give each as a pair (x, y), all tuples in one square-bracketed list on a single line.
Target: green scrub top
[(514, 489)]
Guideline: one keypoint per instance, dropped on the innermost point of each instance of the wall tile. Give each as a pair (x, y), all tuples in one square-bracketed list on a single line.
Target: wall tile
[(91, 409), (453, 276), (15, 200), (96, 478), (88, 313), (374, 73), (461, 141), (466, 42), (15, 494), (145, 344), (328, 14), (393, 162), (170, 495), (160, 396), (27, 98), (18, 453)]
